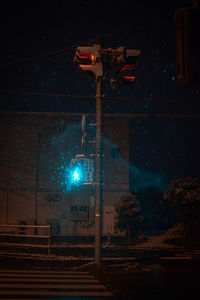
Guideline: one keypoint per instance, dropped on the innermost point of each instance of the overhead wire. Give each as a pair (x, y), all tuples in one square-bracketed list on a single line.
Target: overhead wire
[(106, 115), (32, 93), (72, 95), (45, 94), (52, 52)]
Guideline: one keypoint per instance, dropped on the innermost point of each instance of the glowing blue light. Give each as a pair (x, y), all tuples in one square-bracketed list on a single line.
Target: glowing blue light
[(76, 175)]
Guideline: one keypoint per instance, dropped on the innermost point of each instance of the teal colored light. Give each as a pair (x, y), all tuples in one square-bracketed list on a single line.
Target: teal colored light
[(76, 175)]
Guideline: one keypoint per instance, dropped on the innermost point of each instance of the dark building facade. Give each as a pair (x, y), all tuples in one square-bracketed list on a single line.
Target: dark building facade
[(36, 151)]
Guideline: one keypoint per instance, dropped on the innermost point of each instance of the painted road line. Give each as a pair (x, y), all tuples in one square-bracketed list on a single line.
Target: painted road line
[(36, 284)]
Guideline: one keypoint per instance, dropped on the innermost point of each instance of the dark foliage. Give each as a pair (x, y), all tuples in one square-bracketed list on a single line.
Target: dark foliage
[(129, 215)]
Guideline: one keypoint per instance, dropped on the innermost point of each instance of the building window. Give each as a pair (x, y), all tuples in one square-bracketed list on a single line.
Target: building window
[(79, 213)]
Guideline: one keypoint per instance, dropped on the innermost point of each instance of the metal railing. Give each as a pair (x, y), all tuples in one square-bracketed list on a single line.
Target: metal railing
[(22, 235)]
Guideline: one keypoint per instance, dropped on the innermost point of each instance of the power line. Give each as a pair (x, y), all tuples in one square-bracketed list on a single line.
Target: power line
[(44, 94), (52, 52), (4, 115), (136, 99), (86, 96)]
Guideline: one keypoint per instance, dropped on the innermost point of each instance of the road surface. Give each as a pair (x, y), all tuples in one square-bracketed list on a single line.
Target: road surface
[(32, 284)]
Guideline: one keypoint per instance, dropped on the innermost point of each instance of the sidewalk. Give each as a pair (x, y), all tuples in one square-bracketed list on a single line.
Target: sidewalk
[(73, 251)]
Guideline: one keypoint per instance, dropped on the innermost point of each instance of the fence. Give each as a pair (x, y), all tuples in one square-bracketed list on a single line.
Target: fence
[(26, 236)]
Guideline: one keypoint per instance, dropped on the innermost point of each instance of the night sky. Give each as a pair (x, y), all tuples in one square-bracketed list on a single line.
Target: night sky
[(32, 30)]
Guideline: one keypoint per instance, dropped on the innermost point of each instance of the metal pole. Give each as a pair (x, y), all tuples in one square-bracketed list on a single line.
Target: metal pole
[(7, 195), (50, 236), (98, 209), (36, 184)]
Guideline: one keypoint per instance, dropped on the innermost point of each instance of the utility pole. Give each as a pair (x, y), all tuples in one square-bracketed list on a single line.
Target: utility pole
[(7, 197), (119, 63), (99, 181), (36, 183)]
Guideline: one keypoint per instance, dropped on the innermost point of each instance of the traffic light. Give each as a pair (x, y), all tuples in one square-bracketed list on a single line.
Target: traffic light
[(122, 65), (88, 60), (82, 170), (76, 174)]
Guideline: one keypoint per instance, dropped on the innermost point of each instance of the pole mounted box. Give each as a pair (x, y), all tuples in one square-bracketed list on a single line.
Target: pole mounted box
[(187, 21)]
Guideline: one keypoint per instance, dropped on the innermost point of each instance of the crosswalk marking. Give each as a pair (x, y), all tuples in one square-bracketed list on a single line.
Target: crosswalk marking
[(57, 293), (52, 280), (43, 272), (36, 284), (45, 276), (50, 286)]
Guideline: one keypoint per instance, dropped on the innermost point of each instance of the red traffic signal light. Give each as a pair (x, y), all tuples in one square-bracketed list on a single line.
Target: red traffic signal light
[(129, 78), (83, 58), (128, 67), (123, 64), (87, 58), (125, 59)]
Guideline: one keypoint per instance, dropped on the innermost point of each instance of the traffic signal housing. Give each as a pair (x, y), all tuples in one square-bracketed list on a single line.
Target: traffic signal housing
[(81, 170), (123, 64), (76, 174), (187, 21), (88, 60)]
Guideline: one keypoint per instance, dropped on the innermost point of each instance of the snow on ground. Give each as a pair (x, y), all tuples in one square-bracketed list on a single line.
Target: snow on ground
[(160, 241)]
